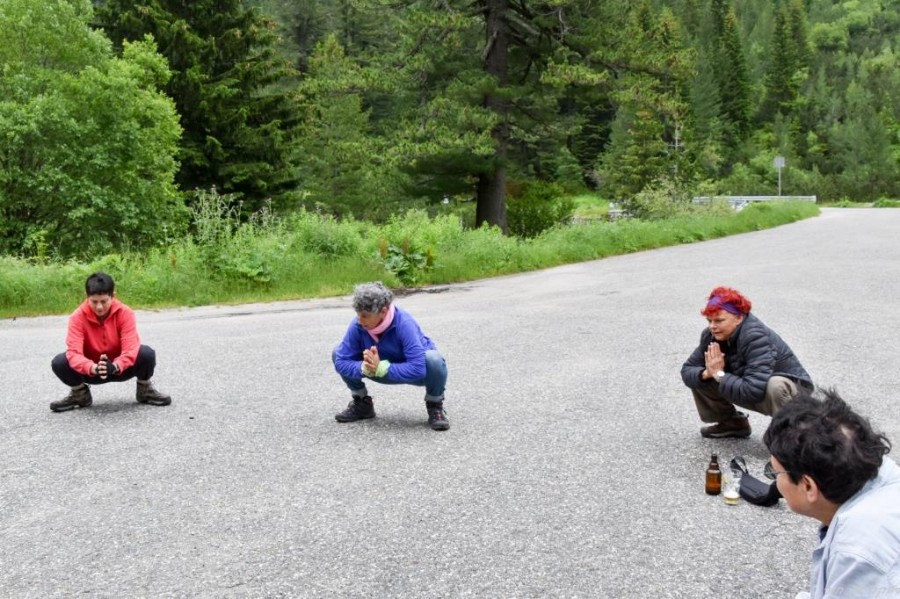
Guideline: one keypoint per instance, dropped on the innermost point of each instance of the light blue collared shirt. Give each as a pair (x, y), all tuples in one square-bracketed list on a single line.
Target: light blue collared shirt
[(858, 556)]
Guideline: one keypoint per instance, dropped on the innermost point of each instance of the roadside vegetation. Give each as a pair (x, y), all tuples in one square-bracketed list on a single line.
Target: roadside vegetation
[(224, 152), (228, 260)]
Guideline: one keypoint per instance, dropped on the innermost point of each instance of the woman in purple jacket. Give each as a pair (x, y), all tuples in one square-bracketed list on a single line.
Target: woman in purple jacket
[(384, 343)]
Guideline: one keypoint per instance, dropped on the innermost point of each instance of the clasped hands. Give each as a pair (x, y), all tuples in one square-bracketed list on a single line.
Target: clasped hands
[(105, 367), (370, 361), (715, 360), (372, 365)]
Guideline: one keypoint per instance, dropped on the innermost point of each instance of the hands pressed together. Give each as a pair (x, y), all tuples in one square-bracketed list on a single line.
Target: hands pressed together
[(715, 360), (370, 361)]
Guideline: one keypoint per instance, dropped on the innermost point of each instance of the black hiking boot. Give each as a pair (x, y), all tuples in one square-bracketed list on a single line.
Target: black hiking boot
[(146, 394), (360, 408), (78, 397), (737, 426), (437, 417)]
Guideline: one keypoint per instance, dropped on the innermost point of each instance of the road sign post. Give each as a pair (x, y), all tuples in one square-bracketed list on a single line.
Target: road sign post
[(779, 164)]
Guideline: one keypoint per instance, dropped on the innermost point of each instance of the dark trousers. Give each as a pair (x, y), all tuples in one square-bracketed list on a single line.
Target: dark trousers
[(143, 369)]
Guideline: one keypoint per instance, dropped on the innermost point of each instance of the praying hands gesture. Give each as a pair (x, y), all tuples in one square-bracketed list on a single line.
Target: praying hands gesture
[(715, 360), (371, 359)]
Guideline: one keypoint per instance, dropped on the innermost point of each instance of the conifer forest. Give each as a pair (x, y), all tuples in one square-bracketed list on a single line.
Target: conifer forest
[(115, 114)]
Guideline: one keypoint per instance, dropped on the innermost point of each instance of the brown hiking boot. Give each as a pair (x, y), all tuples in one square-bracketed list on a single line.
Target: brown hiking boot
[(736, 426), (147, 394), (78, 397)]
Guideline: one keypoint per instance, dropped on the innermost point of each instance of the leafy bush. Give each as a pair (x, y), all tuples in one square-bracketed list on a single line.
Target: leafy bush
[(664, 199), (229, 248), (89, 142), (325, 236), (406, 262), (886, 203), (539, 207)]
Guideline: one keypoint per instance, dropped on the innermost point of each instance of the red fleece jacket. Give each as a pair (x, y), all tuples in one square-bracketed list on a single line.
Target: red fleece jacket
[(88, 338)]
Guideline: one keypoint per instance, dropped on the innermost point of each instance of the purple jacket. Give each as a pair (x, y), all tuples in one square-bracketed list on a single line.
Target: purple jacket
[(403, 344)]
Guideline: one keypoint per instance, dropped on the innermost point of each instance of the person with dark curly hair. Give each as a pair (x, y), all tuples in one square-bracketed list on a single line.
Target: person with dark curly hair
[(829, 464), (385, 344), (740, 362)]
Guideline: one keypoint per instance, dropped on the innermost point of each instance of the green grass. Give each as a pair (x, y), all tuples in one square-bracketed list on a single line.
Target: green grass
[(879, 203), (307, 255), (589, 206)]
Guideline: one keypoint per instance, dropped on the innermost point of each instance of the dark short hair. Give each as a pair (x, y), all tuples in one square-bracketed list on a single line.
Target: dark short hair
[(827, 441), (99, 283)]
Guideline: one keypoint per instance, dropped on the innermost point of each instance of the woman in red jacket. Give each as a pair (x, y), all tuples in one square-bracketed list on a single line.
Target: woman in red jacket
[(102, 346)]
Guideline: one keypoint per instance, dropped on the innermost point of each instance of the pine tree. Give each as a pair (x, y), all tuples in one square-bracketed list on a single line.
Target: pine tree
[(637, 155), (238, 127), (781, 80), (343, 167), (734, 81)]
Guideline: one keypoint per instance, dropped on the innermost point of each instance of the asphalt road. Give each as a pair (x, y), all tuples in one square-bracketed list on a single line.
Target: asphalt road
[(573, 467)]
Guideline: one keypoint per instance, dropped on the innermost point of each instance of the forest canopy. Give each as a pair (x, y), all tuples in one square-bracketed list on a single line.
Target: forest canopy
[(116, 113)]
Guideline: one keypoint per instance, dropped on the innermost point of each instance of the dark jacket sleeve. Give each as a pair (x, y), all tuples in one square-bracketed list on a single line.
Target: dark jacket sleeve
[(753, 365)]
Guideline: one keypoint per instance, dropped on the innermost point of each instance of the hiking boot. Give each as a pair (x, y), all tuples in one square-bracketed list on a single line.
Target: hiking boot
[(78, 397), (361, 408), (147, 394), (437, 417), (736, 426)]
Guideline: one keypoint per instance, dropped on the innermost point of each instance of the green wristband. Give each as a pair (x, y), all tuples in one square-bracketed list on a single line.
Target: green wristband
[(382, 368)]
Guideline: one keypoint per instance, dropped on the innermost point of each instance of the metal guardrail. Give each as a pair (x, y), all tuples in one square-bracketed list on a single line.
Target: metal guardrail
[(741, 202), (737, 202), (612, 214)]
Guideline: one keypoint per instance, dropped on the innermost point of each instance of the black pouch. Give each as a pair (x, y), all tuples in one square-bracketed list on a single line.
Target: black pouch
[(754, 490)]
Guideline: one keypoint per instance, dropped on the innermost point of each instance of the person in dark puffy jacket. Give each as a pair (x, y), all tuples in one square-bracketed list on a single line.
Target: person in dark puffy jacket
[(740, 362), (385, 344)]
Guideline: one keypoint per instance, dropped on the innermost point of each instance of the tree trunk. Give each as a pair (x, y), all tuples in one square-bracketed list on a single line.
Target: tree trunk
[(491, 187)]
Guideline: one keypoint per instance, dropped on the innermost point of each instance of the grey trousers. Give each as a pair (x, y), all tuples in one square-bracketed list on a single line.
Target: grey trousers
[(712, 407)]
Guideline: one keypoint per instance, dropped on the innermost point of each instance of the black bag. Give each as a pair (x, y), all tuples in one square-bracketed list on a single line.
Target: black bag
[(754, 490)]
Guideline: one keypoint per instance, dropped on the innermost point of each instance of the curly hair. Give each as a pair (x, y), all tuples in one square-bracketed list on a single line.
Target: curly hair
[(827, 441), (371, 297), (726, 295)]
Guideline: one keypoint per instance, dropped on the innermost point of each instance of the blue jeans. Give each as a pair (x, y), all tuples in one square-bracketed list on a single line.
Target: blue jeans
[(434, 382)]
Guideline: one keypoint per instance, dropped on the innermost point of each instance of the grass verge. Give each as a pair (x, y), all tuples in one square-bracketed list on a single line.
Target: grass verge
[(307, 255)]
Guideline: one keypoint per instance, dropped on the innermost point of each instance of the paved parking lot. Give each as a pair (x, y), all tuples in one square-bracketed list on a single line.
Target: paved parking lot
[(573, 467)]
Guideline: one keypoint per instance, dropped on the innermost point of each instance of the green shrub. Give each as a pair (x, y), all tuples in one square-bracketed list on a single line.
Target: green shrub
[(886, 203), (323, 235), (539, 207), (665, 199), (406, 262)]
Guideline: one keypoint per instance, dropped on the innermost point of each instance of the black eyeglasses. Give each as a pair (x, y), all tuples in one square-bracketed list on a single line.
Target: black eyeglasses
[(771, 473)]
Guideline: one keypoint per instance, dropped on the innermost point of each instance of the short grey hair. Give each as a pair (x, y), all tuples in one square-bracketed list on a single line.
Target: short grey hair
[(371, 297)]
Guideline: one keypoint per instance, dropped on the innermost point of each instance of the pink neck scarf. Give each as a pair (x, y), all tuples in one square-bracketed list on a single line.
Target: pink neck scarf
[(383, 325)]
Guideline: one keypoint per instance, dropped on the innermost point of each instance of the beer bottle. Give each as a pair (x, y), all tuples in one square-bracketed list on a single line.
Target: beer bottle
[(713, 476)]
